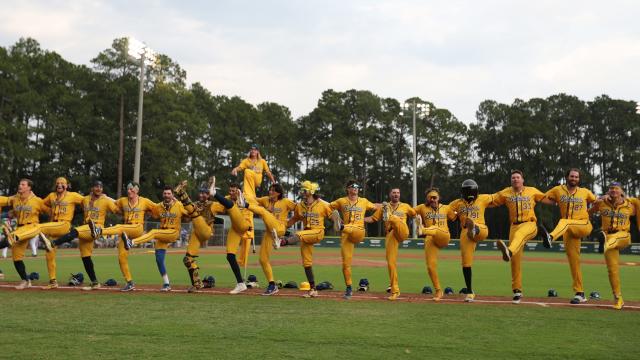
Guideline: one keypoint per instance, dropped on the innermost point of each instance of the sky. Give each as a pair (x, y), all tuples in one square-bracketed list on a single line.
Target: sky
[(454, 54)]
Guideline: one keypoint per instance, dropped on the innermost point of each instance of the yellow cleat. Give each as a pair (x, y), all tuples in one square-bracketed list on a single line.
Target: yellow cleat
[(619, 303), (470, 297), (438, 295), (394, 296)]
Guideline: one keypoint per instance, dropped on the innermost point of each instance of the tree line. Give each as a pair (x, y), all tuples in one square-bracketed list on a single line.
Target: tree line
[(60, 118)]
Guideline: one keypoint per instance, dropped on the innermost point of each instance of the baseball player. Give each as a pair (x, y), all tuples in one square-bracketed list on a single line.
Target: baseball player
[(351, 226), (246, 240), (432, 224), (312, 211), (469, 209), (520, 200), (26, 208), (95, 206), (274, 210), (253, 165), (615, 211), (573, 225), (202, 219), (132, 208), (62, 204), (394, 214), (170, 212), (233, 205)]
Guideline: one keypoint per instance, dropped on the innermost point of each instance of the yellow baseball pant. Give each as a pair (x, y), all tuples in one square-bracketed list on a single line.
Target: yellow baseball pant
[(24, 234), (251, 182), (519, 234), (435, 240), (351, 235), (572, 231), (200, 234), (397, 232), (53, 230), (271, 223), (133, 231), (163, 237), (468, 246), (613, 244), (307, 239), (239, 227)]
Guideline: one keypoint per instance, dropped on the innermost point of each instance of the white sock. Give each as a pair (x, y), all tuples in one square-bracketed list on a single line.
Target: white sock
[(34, 245), (4, 252), (165, 278)]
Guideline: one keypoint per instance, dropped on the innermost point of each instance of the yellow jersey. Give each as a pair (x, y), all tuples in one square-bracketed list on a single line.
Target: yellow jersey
[(27, 211), (204, 209), (520, 205), (615, 217), (5, 201), (572, 206), (473, 210), (217, 208), (401, 210), (63, 208), (279, 208), (96, 209), (312, 215), (133, 213), (170, 215), (435, 217), (257, 165), (353, 212)]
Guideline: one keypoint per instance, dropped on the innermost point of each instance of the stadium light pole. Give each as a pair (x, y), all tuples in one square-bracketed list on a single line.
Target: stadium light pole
[(139, 51), (418, 110)]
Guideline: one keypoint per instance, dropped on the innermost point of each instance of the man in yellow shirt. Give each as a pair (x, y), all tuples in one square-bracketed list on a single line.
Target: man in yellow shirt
[(95, 206), (274, 210), (574, 224), (353, 209), (616, 212), (253, 165), (312, 211), (432, 224), (469, 209), (62, 203), (394, 214), (170, 212), (133, 208), (520, 200), (26, 208)]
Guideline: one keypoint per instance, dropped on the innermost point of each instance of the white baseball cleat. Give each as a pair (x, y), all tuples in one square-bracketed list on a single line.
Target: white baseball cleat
[(240, 287)]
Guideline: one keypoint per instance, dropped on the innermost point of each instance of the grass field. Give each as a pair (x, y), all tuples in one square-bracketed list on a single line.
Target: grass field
[(75, 324)]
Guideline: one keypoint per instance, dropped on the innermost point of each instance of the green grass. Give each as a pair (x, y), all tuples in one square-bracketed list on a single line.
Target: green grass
[(75, 324)]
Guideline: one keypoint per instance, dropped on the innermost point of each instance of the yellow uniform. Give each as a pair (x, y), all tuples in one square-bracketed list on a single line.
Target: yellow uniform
[(247, 237), (61, 213), (616, 224), (573, 225), (523, 224), (253, 169), (275, 216), (475, 211), (437, 236), (5, 201), (133, 225), (27, 213), (202, 225), (239, 224), (312, 217), (170, 224), (396, 231), (96, 210), (353, 214)]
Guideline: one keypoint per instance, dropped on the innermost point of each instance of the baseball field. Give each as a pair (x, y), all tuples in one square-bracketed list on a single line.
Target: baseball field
[(70, 323)]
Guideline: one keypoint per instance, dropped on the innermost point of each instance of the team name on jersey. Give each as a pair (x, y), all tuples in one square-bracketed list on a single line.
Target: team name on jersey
[(354, 209), (571, 199), (23, 208), (311, 214), (60, 203), (168, 215), (435, 216), (469, 209), (613, 214), (520, 198), (399, 213), (131, 209), (91, 208)]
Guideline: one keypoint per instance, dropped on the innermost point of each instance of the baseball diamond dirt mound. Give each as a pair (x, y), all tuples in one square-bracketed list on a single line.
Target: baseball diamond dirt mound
[(358, 296)]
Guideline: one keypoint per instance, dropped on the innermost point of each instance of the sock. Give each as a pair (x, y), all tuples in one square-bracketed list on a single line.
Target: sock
[(4, 243), (466, 271), (231, 258), (160, 254), (272, 282), (228, 204), (20, 268), (308, 271), (165, 279), (88, 267), (68, 237), (34, 246)]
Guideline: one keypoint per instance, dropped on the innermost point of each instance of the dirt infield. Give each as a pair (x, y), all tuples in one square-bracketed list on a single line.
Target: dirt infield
[(358, 296)]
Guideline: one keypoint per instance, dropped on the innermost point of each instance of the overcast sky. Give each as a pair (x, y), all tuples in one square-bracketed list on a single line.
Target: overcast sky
[(453, 53)]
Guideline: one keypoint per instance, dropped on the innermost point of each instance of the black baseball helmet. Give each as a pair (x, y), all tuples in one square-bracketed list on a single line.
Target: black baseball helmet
[(469, 190)]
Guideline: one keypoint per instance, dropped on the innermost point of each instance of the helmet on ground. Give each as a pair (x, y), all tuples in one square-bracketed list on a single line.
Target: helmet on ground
[(427, 290), (111, 282), (209, 282), (463, 291), (76, 279), (34, 276), (325, 285), (552, 293), (448, 291), (363, 285), (469, 190), (305, 286), (594, 295), (290, 285)]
